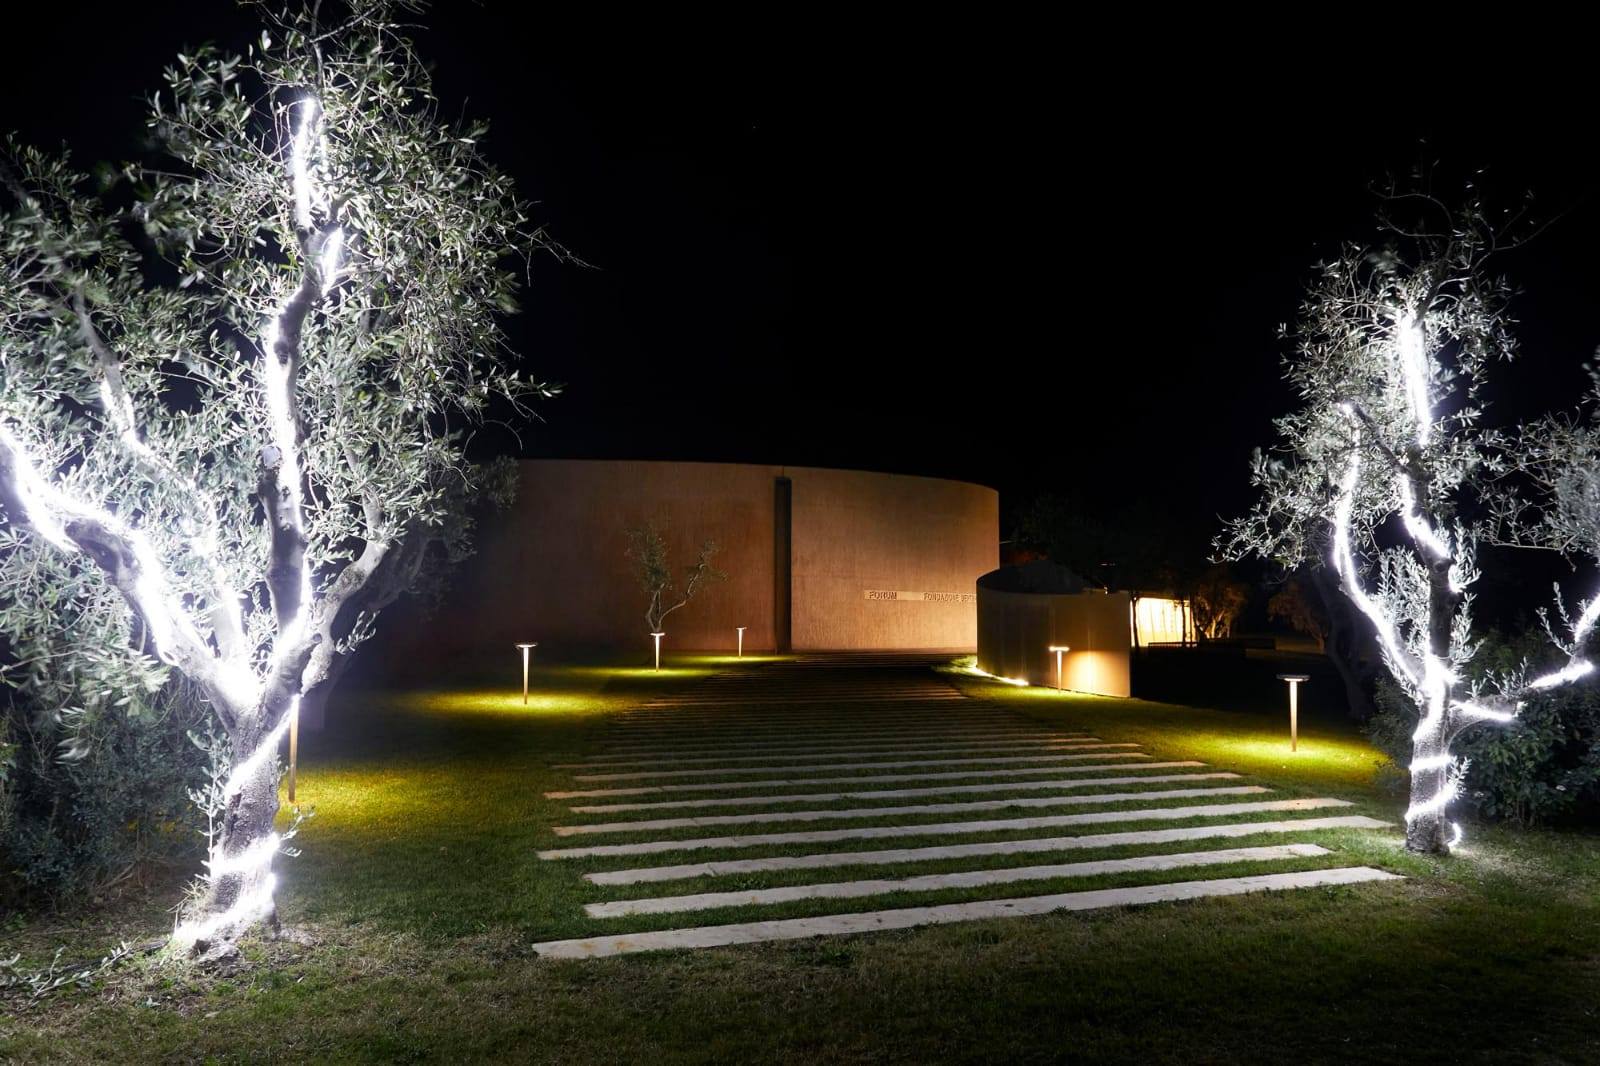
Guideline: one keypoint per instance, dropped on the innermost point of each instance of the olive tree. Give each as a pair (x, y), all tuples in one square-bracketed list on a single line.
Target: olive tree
[(228, 396), (647, 547), (1389, 472)]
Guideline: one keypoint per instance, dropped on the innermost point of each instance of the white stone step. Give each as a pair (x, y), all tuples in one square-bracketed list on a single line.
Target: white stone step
[(996, 825), (705, 901), (949, 775), (911, 917), (872, 751), (732, 724), (822, 768), (898, 793), (827, 739), (706, 821), (777, 712), (783, 699), (945, 852)]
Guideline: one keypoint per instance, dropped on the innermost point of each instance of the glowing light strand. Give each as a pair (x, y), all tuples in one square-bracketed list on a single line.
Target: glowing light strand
[(1417, 526), (1344, 564), (1412, 351)]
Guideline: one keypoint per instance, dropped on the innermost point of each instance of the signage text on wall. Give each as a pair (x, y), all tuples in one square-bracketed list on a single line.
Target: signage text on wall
[(920, 597)]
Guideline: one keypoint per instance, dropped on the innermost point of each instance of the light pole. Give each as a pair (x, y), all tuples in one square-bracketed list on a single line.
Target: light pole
[(658, 637), (741, 641), (1059, 649), (294, 744), (1294, 707), (526, 648)]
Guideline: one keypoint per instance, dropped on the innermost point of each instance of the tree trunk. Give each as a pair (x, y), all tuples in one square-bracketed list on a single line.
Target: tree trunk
[(1428, 832), (240, 896)]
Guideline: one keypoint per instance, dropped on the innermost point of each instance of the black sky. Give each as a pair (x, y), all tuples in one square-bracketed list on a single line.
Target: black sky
[(1043, 259)]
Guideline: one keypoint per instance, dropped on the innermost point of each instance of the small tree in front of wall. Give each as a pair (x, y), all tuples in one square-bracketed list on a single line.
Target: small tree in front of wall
[(648, 549)]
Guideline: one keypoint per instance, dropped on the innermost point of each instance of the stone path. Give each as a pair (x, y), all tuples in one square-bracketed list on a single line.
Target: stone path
[(769, 738)]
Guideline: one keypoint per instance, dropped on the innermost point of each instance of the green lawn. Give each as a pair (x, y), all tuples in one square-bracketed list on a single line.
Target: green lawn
[(420, 893)]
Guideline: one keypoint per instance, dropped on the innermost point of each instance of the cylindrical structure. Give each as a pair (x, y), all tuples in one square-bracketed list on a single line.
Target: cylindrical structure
[(852, 560), (1025, 612)]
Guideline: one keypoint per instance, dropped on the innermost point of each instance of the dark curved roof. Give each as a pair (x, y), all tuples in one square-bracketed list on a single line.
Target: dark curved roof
[(1041, 576)]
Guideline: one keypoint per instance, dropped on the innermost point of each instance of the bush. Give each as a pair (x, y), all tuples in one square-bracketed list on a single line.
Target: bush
[(95, 763), (1544, 767)]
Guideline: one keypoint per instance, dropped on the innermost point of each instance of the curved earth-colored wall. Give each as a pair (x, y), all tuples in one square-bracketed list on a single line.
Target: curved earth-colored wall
[(1017, 629), (553, 569)]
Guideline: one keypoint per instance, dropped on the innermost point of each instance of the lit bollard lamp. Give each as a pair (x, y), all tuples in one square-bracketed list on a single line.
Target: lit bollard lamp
[(658, 637), (526, 648), (1294, 707), (1060, 650), (741, 641)]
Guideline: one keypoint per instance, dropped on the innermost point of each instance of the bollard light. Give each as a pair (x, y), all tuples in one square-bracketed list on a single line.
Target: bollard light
[(526, 648), (741, 641), (1294, 707), (658, 637), (1060, 650), (294, 744)]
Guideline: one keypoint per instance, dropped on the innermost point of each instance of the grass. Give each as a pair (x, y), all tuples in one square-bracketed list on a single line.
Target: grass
[(421, 893)]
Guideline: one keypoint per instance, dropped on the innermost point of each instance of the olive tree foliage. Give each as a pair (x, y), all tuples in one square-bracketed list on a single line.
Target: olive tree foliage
[(1388, 471), (228, 398), (647, 547)]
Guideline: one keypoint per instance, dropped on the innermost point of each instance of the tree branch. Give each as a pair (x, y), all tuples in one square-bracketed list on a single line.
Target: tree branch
[(131, 569)]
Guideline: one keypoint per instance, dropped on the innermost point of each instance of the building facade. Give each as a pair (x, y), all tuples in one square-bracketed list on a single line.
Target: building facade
[(816, 559)]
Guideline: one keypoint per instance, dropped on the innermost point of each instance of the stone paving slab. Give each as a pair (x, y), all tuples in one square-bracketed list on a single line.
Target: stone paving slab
[(642, 775), (945, 852), (899, 793), (910, 917), (997, 825), (661, 705), (735, 724), (1012, 802), (865, 752), (951, 775), (829, 738), (705, 901)]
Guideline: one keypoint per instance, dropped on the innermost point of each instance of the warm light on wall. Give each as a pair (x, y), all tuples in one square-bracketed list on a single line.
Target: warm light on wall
[(1161, 620)]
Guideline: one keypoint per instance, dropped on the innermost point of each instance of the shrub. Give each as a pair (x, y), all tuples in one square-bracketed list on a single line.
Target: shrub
[(95, 763), (1544, 767)]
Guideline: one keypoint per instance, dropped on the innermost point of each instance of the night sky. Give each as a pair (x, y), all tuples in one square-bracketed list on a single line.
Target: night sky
[(983, 251)]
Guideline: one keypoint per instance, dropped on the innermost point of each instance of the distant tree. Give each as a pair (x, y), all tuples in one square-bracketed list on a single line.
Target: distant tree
[(1300, 612), (1392, 355), (1218, 600), (648, 549)]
